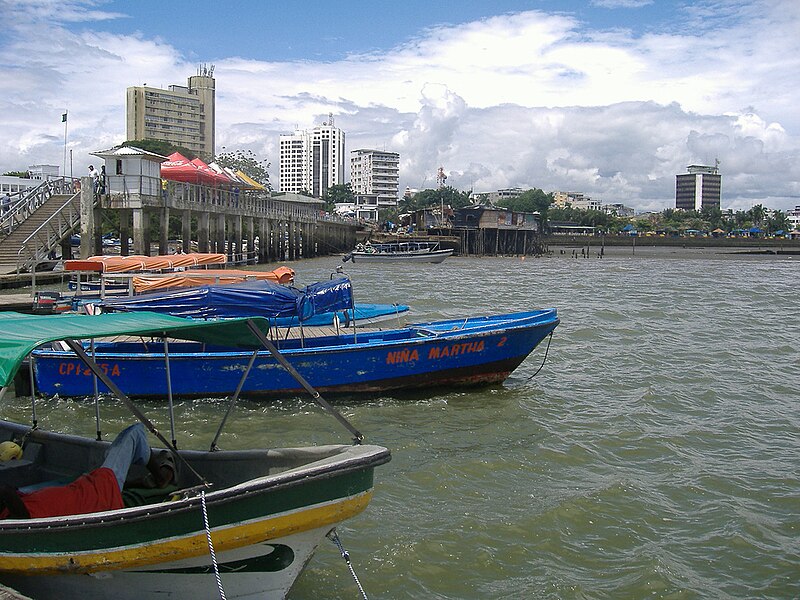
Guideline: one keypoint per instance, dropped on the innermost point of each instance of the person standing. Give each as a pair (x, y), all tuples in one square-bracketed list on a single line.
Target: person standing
[(95, 175)]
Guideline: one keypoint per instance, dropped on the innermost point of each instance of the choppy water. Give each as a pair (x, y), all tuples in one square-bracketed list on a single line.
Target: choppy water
[(655, 455)]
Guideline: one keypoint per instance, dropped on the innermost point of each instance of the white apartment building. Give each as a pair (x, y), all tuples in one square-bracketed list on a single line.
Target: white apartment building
[(312, 160), (375, 174), (793, 216), (181, 115)]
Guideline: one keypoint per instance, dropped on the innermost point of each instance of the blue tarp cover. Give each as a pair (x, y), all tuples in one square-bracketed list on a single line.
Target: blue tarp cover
[(248, 299)]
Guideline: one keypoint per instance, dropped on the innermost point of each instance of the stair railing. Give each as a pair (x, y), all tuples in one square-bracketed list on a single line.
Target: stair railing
[(18, 210), (49, 234)]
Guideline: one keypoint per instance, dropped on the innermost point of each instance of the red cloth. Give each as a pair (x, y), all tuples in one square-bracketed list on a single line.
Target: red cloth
[(94, 492)]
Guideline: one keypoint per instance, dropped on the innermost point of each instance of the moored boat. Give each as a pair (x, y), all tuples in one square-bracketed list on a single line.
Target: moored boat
[(458, 352), (242, 521), (423, 252)]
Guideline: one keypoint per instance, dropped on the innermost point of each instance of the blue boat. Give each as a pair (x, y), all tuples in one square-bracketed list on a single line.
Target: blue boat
[(458, 352), (319, 304)]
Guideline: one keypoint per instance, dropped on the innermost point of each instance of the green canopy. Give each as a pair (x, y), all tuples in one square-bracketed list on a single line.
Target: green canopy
[(20, 333)]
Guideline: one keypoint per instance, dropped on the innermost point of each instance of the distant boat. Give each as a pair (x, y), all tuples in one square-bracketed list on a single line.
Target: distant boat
[(424, 252), (459, 352)]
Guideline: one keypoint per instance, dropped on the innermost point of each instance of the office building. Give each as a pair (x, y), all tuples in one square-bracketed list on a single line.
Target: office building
[(181, 115), (701, 187), (312, 160)]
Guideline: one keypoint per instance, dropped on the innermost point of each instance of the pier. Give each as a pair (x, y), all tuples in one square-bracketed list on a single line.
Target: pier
[(248, 225)]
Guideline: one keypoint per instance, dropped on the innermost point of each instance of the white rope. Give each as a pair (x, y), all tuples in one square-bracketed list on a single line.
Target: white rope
[(334, 537), (211, 546)]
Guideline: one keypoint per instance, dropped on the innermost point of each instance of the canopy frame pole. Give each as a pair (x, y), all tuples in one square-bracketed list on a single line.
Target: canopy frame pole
[(358, 436), (96, 399), (169, 393), (34, 420), (233, 401), (77, 348)]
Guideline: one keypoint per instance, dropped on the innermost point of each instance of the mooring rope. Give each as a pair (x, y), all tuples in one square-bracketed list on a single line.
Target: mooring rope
[(549, 339), (334, 537), (211, 546)]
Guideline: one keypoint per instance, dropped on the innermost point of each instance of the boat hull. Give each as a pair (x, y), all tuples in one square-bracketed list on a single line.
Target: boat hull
[(264, 530), (434, 256), (466, 352)]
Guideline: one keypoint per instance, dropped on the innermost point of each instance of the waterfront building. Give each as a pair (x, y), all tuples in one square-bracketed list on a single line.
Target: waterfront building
[(35, 175), (181, 115), (793, 216), (617, 210), (700, 187), (575, 200), (374, 179), (499, 195), (312, 160)]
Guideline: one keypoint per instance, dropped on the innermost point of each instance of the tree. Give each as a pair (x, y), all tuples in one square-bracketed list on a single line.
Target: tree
[(246, 162), (15, 174), (160, 147), (534, 200), (779, 221), (447, 195), (338, 194), (757, 214)]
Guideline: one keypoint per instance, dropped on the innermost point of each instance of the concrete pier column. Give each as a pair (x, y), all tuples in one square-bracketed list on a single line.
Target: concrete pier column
[(186, 230), (250, 226), (264, 241), (141, 232), (220, 235), (87, 218), (163, 232), (124, 232), (202, 232), (237, 237)]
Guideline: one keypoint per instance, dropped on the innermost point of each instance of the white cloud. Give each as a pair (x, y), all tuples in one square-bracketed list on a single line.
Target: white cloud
[(528, 99)]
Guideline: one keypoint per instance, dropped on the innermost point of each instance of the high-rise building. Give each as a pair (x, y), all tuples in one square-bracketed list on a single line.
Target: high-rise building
[(180, 115), (312, 160), (375, 174), (699, 188)]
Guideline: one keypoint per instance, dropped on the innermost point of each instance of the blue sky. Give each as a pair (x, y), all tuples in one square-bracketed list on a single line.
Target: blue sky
[(326, 31), (611, 98)]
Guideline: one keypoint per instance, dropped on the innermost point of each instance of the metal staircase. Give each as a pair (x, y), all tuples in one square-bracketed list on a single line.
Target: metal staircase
[(35, 224)]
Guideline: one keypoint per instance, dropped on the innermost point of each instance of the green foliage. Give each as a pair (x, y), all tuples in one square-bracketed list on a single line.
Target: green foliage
[(248, 163), (448, 196), (337, 194), (160, 147), (15, 174), (534, 200)]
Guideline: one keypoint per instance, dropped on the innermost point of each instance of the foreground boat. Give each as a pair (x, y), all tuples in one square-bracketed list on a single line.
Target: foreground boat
[(423, 252), (458, 352), (240, 523)]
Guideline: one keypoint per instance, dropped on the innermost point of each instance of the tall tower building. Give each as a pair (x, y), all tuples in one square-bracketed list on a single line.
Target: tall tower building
[(181, 115), (700, 187), (376, 174), (312, 160)]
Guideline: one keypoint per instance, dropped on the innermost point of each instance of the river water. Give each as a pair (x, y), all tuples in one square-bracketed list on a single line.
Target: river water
[(656, 454)]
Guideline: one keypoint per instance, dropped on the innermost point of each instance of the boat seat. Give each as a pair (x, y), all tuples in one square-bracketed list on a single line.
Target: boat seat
[(20, 472)]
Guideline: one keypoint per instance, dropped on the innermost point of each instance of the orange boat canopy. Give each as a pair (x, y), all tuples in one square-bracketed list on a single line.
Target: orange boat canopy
[(132, 264), (152, 283)]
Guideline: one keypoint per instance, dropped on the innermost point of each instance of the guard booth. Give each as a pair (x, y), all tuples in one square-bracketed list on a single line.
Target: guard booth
[(132, 185)]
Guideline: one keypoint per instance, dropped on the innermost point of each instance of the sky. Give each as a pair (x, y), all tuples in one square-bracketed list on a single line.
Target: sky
[(609, 98)]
